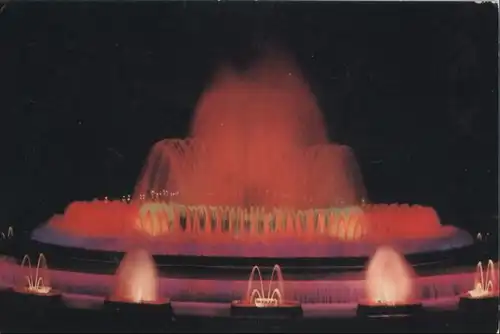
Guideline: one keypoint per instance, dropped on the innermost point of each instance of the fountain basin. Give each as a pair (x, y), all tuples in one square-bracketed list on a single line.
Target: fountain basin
[(160, 307), (284, 309), (136, 317), (29, 298), (367, 309), (479, 305)]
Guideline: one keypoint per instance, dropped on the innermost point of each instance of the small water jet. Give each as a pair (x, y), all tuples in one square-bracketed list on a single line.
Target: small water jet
[(483, 298), (9, 235), (136, 291), (389, 286), (6, 240), (36, 287), (260, 302)]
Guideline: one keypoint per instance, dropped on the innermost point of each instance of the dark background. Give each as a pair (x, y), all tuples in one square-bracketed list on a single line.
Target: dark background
[(87, 88)]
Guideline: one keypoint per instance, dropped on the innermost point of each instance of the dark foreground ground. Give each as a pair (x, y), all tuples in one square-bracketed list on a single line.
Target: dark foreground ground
[(14, 320)]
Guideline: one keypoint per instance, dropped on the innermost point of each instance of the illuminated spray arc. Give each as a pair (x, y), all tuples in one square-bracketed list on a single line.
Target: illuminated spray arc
[(137, 278), (37, 282), (257, 139), (258, 296), (485, 281)]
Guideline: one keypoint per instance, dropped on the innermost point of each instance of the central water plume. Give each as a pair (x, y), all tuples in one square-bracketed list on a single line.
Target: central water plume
[(257, 138)]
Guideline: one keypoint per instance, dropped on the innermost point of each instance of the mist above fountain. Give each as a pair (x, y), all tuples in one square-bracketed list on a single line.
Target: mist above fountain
[(257, 139)]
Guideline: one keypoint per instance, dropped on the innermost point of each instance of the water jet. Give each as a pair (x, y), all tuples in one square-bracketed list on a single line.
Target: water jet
[(217, 185), (270, 303), (35, 292), (389, 287), (483, 298), (136, 292), (9, 235)]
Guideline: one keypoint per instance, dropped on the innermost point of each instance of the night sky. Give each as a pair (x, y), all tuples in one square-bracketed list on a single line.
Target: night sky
[(87, 88)]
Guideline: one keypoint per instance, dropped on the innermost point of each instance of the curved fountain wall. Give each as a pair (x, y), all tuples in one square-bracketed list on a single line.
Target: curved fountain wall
[(167, 228), (375, 222)]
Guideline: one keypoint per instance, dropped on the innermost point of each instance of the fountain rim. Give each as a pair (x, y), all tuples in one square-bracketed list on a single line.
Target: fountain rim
[(45, 236), (22, 290)]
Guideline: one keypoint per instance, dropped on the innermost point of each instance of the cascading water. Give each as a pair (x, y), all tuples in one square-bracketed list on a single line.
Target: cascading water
[(257, 167)]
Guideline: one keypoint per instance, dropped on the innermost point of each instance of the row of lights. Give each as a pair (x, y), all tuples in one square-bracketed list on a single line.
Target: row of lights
[(153, 195), (166, 193)]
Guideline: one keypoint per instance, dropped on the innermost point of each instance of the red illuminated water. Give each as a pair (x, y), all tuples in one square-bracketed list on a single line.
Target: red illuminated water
[(257, 138), (257, 166)]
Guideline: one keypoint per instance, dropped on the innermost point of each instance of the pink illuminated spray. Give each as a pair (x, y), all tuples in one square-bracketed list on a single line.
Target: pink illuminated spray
[(137, 278), (389, 278)]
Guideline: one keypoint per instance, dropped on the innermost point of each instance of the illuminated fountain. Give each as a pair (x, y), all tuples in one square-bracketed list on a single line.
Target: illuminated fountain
[(483, 297), (136, 288), (389, 286), (217, 185), (6, 240), (35, 286), (256, 178), (9, 235), (265, 303)]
